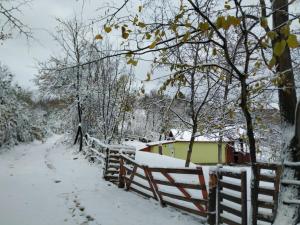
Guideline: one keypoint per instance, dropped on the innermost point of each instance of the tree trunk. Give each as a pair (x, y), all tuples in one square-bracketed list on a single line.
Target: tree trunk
[(79, 111), (246, 112), (192, 140), (220, 144), (287, 214)]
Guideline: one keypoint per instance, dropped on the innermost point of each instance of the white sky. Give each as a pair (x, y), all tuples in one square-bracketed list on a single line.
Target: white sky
[(21, 56)]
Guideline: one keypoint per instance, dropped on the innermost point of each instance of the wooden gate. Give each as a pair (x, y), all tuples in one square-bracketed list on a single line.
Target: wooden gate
[(231, 197), (111, 167), (265, 191), (107, 155), (163, 185)]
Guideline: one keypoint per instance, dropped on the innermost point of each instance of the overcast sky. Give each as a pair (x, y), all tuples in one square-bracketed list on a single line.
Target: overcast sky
[(21, 56)]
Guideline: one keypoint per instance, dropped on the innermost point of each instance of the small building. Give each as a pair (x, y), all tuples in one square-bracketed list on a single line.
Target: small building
[(205, 148)]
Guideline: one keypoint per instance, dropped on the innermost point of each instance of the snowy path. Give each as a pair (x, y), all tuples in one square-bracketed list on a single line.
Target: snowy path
[(46, 184)]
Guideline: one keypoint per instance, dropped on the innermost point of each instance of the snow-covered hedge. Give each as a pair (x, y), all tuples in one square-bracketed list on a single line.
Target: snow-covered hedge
[(19, 122)]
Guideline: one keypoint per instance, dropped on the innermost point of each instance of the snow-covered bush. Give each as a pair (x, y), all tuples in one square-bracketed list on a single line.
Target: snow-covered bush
[(18, 123)]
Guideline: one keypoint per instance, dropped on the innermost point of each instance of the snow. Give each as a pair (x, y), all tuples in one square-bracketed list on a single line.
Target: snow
[(292, 164), (291, 182), (156, 160), (294, 201), (135, 144), (159, 142), (186, 136), (48, 184)]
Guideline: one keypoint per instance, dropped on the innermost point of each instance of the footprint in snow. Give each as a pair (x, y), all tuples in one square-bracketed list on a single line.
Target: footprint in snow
[(50, 166), (90, 218)]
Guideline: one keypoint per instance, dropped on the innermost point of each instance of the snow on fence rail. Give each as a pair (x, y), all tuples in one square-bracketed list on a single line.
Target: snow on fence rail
[(181, 188), (107, 155)]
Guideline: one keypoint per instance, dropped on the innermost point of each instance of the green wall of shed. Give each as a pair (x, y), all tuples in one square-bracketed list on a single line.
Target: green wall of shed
[(203, 152)]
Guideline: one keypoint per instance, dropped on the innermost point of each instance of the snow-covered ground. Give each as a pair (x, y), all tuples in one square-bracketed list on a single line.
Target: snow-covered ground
[(48, 184)]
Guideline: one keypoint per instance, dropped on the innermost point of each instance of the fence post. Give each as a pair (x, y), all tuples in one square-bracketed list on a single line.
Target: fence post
[(150, 180), (254, 192), (244, 197), (121, 174), (278, 172), (218, 191), (106, 162), (160, 198), (212, 198)]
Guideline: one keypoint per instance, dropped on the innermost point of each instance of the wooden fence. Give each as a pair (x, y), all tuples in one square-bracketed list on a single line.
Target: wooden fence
[(224, 203), (164, 185), (265, 191), (231, 197), (107, 155)]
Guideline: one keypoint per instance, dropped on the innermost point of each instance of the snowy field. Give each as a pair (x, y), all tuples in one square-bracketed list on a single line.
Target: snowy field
[(48, 184)]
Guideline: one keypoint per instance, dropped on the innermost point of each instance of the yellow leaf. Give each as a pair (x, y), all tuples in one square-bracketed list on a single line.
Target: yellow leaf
[(135, 62), (153, 44), (148, 77), (135, 20), (173, 27), (98, 37), (148, 36), (186, 37), (129, 54), (125, 34), (292, 41), (279, 47), (141, 24), (272, 62), (272, 35), (232, 20), (285, 30), (204, 26), (107, 29), (226, 25), (132, 62), (187, 24), (263, 22), (214, 51), (220, 22), (227, 6)]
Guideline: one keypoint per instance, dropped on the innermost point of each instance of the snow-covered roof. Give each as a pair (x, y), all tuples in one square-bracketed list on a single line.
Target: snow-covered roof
[(186, 136), (160, 142), (138, 145)]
